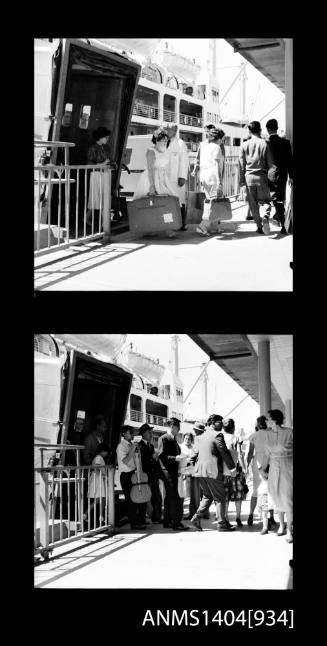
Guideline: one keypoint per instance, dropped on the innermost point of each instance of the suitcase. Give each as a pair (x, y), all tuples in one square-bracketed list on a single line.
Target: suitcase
[(217, 210), (154, 213)]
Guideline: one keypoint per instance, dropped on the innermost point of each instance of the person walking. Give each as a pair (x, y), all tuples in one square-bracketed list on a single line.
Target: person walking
[(155, 180), (235, 487), (212, 453), (279, 461), (256, 455), (179, 167), (150, 467), (255, 160), (169, 457), (283, 167), (210, 162)]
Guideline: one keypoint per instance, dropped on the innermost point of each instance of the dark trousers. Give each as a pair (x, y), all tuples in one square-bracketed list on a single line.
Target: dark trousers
[(173, 504), (195, 495), (135, 512), (213, 489), (183, 213), (278, 192), (156, 499), (258, 194)]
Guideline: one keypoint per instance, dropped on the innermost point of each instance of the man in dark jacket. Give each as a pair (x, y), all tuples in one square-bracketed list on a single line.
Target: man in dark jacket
[(212, 453), (283, 168), (169, 457), (151, 468)]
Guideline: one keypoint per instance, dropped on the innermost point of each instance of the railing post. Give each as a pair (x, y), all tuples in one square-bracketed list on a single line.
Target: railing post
[(111, 497), (106, 214), (44, 508)]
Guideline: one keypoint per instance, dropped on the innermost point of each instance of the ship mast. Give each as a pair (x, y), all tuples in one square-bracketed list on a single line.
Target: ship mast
[(175, 354)]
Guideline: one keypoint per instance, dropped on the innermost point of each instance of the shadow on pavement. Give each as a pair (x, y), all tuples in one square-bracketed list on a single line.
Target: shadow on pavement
[(114, 539), (41, 272)]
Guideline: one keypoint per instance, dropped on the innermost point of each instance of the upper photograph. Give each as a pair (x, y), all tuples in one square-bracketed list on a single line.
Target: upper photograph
[(150, 154)]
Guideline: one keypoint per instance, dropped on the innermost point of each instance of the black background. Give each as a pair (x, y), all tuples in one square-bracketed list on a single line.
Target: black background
[(117, 614)]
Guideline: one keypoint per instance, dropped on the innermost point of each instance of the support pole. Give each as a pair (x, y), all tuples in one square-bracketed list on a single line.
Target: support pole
[(264, 377), (205, 390), (289, 88), (288, 413)]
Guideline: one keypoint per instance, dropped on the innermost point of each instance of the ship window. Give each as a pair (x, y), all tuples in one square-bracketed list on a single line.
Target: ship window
[(135, 402), (85, 114), (155, 408), (237, 142), (68, 112)]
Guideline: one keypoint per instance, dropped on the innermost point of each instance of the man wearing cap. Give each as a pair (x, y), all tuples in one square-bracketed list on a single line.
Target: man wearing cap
[(127, 466), (178, 167), (151, 468), (212, 453), (169, 457)]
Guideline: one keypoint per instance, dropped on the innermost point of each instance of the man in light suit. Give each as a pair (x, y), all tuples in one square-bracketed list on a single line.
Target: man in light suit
[(212, 453), (179, 165)]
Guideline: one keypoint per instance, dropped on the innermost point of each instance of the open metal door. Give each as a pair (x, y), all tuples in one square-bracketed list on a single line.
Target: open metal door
[(94, 88), (94, 387)]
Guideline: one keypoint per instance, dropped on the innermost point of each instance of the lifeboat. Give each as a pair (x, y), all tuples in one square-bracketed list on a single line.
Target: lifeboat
[(108, 345), (144, 366), (180, 66), (145, 47)]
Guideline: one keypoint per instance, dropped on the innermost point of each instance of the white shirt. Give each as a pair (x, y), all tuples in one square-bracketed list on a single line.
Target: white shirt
[(187, 452), (122, 451), (178, 165)]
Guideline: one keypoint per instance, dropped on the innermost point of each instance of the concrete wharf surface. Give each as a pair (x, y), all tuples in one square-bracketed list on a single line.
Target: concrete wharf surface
[(242, 559), (238, 259)]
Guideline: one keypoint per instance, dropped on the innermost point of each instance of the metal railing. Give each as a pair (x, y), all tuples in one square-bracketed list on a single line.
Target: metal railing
[(158, 420), (71, 502), (72, 204), (188, 120), (153, 112), (231, 178), (169, 116), (136, 415), (144, 110)]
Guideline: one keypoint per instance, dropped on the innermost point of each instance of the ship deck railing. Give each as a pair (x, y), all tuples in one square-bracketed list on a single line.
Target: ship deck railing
[(65, 200), (146, 110), (63, 509)]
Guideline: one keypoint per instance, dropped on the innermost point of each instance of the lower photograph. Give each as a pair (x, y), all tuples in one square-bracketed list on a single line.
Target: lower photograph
[(163, 461)]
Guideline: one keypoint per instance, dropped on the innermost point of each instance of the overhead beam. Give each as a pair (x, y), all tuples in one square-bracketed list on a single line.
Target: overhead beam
[(231, 356), (244, 48)]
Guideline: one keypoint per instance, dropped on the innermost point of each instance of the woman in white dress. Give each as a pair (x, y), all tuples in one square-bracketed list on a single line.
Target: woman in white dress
[(279, 458), (155, 179), (210, 161)]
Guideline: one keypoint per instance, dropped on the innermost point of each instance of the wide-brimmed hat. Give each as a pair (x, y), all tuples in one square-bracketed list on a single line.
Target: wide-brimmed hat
[(198, 426)]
